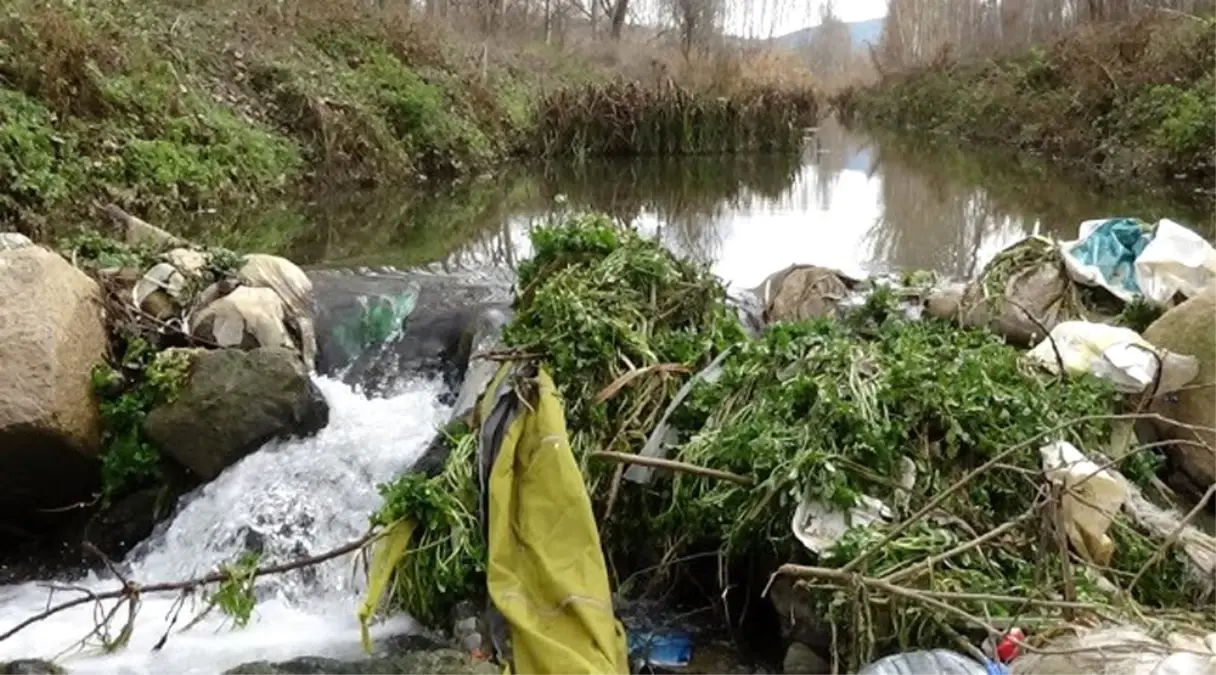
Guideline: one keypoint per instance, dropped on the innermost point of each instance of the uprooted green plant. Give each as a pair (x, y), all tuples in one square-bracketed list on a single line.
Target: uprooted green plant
[(446, 561)]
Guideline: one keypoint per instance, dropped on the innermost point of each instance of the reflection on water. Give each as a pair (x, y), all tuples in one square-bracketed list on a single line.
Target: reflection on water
[(859, 204)]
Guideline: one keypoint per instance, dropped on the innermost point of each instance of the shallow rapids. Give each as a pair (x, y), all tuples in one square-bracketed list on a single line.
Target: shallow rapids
[(290, 499)]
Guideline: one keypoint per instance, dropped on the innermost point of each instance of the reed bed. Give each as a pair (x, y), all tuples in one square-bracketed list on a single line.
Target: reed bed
[(623, 118)]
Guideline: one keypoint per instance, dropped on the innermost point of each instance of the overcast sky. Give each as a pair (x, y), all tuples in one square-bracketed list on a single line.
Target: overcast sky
[(762, 18)]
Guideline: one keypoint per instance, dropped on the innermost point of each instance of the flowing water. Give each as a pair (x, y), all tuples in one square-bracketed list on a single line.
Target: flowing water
[(294, 498), (849, 202)]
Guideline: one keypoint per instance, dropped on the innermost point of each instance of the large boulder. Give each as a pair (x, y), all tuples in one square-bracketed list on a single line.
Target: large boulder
[(422, 662), (1189, 329), (51, 335), (13, 240), (233, 402), (800, 621), (801, 292)]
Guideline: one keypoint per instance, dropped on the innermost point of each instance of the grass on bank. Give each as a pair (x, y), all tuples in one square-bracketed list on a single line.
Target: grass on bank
[(828, 409), (1126, 102), (169, 107)]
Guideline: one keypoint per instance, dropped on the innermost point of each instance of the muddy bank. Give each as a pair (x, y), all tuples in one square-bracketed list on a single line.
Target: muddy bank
[(169, 110)]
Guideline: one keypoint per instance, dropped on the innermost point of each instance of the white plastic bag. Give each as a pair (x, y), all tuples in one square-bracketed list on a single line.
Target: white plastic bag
[(1092, 497), (1175, 260), (1113, 353), (818, 525)]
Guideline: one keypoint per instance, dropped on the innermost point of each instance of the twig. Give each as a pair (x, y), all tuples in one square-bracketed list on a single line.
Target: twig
[(189, 584), (1046, 334), (925, 564), (1055, 514), (672, 464)]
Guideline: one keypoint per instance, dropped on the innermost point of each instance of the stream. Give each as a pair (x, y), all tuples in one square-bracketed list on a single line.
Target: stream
[(855, 203)]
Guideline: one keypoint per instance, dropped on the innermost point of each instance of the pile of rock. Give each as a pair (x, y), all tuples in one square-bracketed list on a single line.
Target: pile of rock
[(247, 323)]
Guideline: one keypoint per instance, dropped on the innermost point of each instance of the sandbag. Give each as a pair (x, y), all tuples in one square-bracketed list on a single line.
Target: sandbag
[(1025, 280)]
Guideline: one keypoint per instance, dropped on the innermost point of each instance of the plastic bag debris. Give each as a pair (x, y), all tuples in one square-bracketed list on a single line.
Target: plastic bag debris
[(673, 650), (1114, 353), (663, 435), (1092, 497), (1104, 254), (929, 662), (818, 526), (1123, 650), (1176, 261), (1130, 258)]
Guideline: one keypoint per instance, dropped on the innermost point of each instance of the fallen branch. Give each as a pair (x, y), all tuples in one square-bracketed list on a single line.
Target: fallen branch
[(131, 589), (672, 464)]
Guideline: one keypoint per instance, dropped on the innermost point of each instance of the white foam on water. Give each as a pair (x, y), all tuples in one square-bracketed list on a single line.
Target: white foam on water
[(291, 498)]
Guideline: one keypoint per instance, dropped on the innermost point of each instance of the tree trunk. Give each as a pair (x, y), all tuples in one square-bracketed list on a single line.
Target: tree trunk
[(618, 18)]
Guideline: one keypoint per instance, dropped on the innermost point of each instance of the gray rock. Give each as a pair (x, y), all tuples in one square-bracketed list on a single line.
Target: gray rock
[(434, 661), (799, 621), (233, 402), (30, 667), (803, 660)]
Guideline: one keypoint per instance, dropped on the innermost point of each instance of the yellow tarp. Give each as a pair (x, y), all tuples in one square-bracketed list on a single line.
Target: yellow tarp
[(546, 572), (388, 551)]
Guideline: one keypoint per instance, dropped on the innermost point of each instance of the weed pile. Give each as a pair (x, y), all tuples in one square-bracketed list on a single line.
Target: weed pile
[(1126, 102), (623, 118), (823, 411)]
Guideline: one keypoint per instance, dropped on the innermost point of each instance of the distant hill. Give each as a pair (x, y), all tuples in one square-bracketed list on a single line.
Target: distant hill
[(862, 33)]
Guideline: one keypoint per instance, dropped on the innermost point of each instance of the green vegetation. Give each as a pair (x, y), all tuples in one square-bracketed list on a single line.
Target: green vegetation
[(138, 381), (824, 410), (1124, 102), (165, 109), (234, 595)]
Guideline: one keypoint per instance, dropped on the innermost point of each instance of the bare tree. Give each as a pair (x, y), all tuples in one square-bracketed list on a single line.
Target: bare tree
[(697, 23)]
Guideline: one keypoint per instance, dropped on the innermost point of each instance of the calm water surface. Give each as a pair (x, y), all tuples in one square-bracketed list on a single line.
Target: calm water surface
[(855, 203)]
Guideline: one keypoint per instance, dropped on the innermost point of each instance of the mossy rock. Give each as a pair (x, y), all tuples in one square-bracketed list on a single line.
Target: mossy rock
[(234, 402), (436, 661), (31, 667)]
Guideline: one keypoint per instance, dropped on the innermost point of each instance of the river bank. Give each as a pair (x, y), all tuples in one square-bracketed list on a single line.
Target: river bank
[(165, 109), (1121, 103)]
